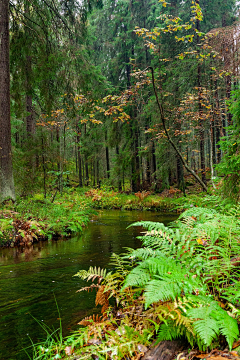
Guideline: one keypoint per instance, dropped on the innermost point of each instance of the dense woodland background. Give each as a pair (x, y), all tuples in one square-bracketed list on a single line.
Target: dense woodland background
[(83, 107)]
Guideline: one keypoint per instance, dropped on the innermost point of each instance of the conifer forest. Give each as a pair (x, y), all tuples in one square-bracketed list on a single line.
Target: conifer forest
[(123, 107)]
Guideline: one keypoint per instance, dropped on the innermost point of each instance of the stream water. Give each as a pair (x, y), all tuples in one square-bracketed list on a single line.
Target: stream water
[(32, 278)]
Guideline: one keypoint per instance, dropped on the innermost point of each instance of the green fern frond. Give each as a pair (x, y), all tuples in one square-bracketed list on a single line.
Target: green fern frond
[(93, 273), (168, 331), (120, 263), (143, 253), (211, 321), (227, 326), (113, 283), (207, 329), (162, 279), (199, 212), (157, 290)]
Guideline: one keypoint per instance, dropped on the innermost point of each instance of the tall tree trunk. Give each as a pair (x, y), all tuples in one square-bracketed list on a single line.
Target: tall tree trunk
[(6, 174), (147, 168), (30, 124), (135, 177), (107, 156), (59, 162), (213, 149), (86, 171), (80, 181), (138, 179), (180, 175), (154, 162), (228, 95), (98, 179), (200, 110), (118, 169), (44, 170)]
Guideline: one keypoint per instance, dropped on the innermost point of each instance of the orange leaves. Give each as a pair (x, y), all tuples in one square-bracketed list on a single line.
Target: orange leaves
[(182, 132), (88, 320), (26, 231), (142, 195), (102, 298), (94, 121)]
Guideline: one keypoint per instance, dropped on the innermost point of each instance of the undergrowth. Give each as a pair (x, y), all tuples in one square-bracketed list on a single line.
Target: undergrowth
[(35, 217)]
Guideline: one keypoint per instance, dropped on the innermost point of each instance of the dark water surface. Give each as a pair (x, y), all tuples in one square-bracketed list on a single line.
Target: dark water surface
[(31, 277)]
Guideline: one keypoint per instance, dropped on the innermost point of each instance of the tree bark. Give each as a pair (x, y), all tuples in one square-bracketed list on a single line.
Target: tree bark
[(118, 169), (165, 350), (30, 123), (200, 110), (6, 174), (154, 162), (80, 180), (107, 155)]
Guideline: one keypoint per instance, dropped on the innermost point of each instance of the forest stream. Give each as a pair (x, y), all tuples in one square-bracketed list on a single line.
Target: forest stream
[(34, 279)]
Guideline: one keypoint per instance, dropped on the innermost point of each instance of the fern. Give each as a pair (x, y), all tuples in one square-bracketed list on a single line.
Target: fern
[(168, 331), (177, 277), (162, 279), (195, 256), (121, 265), (228, 327), (211, 320), (142, 253), (93, 273)]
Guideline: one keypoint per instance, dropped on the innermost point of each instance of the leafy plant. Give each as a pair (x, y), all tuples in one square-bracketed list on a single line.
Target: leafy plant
[(195, 261)]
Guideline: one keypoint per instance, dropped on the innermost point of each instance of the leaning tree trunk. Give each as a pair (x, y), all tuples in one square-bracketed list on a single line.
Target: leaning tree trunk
[(6, 173), (161, 111)]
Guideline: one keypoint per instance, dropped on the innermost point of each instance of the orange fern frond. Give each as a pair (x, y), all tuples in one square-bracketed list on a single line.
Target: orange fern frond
[(88, 320), (87, 288), (102, 298)]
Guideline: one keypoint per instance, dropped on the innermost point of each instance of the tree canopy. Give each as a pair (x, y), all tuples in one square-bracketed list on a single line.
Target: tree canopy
[(82, 98)]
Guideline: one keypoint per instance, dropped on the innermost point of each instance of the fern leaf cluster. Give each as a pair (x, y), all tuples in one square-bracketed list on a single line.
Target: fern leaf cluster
[(195, 257), (172, 286)]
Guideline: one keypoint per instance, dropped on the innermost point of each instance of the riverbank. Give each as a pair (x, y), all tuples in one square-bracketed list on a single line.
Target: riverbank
[(35, 218)]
